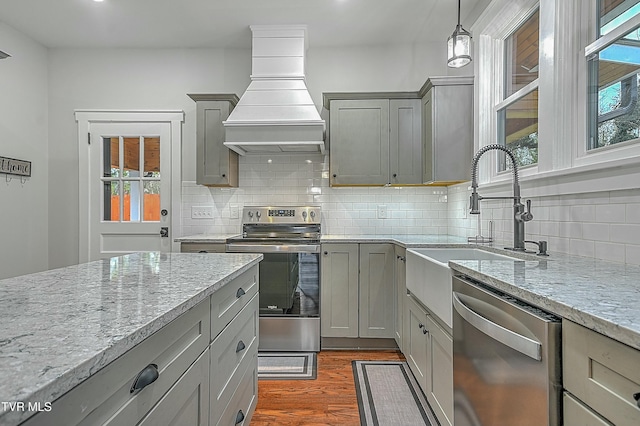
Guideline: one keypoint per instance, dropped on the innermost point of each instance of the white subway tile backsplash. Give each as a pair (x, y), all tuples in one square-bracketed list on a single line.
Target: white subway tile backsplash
[(603, 225), (629, 234), (583, 248), (611, 213), (610, 251), (595, 231)]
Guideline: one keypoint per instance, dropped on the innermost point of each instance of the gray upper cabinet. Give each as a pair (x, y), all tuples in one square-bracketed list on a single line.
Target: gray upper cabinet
[(405, 150), (374, 141), (447, 129), (216, 165)]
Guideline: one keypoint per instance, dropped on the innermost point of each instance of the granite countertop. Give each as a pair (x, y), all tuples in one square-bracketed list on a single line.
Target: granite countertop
[(61, 326), (205, 238), (407, 241), (600, 295)]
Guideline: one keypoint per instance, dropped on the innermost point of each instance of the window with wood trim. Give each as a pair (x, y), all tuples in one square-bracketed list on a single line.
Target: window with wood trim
[(613, 63), (517, 113)]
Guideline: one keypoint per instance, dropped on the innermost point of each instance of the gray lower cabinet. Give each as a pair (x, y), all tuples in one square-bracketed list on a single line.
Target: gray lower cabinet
[(339, 290), (187, 402), (401, 292), (447, 129), (416, 340), (357, 291), (428, 348), (206, 361), (440, 384), (216, 165), (377, 292), (375, 141), (600, 376)]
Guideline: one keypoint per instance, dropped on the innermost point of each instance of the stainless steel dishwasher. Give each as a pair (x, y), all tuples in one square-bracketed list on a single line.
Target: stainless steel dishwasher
[(506, 359)]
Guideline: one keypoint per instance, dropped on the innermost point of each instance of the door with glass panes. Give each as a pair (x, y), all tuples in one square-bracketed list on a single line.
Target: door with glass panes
[(130, 188)]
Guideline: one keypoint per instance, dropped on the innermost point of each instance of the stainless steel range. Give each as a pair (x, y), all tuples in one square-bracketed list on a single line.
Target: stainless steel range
[(289, 239)]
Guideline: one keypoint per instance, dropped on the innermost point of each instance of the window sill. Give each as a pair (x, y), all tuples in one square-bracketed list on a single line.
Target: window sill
[(607, 176)]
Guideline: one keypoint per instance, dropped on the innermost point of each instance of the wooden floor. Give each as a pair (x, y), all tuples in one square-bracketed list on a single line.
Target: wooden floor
[(328, 400)]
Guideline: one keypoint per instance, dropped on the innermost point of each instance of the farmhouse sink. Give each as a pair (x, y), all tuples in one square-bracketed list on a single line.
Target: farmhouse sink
[(429, 275)]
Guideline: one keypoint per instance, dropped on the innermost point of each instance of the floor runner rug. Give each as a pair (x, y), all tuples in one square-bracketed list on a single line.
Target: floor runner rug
[(287, 366), (388, 394)]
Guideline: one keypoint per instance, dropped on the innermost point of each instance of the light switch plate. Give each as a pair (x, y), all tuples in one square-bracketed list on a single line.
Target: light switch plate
[(201, 212), (382, 211)]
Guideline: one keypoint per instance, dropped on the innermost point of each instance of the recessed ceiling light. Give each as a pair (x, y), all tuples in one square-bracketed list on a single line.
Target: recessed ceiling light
[(98, 1)]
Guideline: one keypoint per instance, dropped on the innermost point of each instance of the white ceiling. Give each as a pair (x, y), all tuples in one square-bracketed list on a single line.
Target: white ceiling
[(225, 23)]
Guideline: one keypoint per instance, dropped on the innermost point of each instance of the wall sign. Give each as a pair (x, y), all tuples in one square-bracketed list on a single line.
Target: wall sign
[(11, 166)]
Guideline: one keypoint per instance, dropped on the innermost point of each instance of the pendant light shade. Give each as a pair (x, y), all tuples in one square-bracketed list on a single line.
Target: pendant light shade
[(459, 46)]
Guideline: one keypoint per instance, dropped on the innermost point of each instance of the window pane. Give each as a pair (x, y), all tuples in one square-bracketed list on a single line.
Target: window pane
[(152, 157), (131, 200), (111, 157), (614, 77), (613, 13), (521, 56), (151, 201), (518, 130), (131, 151), (111, 198)]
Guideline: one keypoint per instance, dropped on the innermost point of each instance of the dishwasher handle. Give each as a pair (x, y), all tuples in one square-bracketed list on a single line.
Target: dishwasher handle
[(522, 344)]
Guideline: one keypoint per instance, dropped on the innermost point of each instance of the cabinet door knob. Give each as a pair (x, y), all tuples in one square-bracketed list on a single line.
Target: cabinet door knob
[(395, 175), (424, 331), (326, 253), (239, 417), (420, 325), (241, 346), (636, 396), (144, 378), (240, 293), (224, 175), (335, 175)]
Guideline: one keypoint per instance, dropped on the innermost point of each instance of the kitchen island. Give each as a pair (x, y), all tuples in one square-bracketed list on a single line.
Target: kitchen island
[(63, 326)]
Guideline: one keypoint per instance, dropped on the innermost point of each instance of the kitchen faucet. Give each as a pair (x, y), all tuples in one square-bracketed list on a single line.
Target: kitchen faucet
[(520, 216)]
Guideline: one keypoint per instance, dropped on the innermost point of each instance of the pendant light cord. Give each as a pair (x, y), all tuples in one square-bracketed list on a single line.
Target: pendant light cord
[(458, 12)]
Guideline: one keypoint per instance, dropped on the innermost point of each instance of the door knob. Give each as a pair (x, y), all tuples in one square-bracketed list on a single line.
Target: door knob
[(164, 231), (164, 212)]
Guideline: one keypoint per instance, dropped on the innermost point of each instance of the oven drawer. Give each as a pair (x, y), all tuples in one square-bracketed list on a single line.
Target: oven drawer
[(602, 372), (231, 298)]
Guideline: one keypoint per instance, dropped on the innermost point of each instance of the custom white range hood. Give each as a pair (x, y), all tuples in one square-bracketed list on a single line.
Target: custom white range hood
[(276, 114)]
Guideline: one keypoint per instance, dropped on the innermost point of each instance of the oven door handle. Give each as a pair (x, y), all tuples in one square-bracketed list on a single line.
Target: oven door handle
[(515, 341), (275, 248)]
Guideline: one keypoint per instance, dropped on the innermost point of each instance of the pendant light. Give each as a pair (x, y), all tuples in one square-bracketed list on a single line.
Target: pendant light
[(459, 46)]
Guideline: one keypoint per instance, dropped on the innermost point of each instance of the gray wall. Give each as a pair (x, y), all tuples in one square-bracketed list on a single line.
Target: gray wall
[(23, 135)]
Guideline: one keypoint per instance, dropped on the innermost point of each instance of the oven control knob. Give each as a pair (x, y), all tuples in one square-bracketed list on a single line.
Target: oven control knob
[(258, 214), (250, 214), (312, 214), (304, 215)]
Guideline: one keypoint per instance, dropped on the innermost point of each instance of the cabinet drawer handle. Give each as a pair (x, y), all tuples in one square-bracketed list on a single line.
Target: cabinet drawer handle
[(240, 293), (203, 251), (636, 396), (239, 417), (241, 346), (144, 378)]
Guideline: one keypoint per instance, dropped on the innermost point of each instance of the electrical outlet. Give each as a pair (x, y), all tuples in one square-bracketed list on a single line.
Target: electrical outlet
[(234, 211), (382, 211), (201, 212)]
